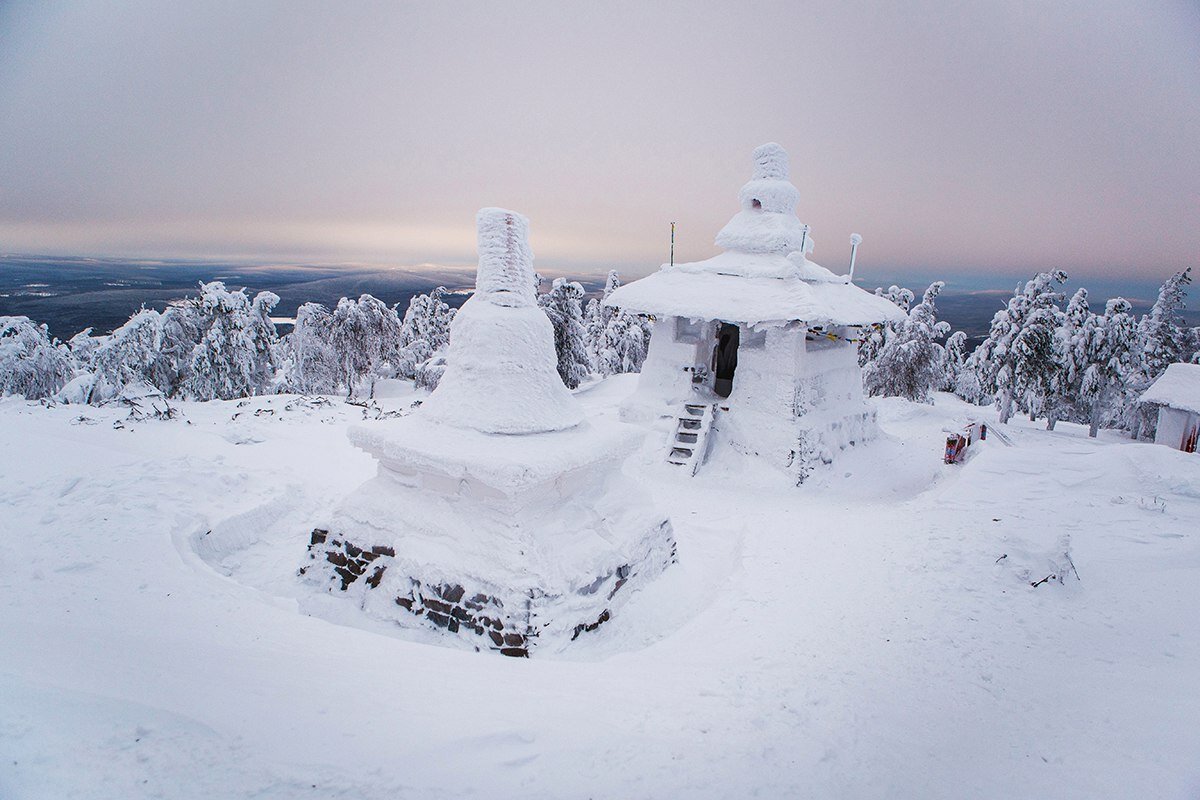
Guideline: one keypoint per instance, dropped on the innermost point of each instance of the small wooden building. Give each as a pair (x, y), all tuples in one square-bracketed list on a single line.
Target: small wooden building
[(1177, 395)]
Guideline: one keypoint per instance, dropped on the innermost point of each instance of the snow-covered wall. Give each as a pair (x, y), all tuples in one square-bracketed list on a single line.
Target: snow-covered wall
[(1173, 425)]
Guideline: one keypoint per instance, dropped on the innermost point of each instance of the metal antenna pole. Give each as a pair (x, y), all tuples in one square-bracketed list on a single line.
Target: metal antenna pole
[(672, 244), (855, 241)]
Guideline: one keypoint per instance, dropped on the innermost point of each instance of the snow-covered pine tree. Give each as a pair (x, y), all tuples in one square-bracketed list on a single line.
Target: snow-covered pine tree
[(32, 363), (82, 346), (956, 359), (235, 356), (424, 333), (995, 361), (365, 337), (1035, 359), (872, 340), (181, 328), (1165, 340), (910, 363), (1071, 352), (131, 354), (312, 365), (617, 341), (565, 311), (1108, 388)]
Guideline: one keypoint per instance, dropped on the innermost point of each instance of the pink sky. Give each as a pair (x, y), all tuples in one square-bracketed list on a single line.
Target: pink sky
[(1005, 137)]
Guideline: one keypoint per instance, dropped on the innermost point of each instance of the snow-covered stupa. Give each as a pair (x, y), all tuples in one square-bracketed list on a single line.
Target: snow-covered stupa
[(754, 350), (498, 513)]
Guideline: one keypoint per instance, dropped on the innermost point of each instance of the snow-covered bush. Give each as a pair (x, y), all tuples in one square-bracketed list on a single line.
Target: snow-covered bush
[(32, 363)]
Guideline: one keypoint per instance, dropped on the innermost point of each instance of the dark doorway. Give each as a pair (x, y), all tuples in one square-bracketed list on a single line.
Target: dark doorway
[(725, 358)]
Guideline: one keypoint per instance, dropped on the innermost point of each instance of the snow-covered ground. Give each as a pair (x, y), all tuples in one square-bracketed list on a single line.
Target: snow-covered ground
[(873, 633)]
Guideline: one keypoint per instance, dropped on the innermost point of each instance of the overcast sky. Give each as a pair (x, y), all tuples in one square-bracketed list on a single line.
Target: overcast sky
[(962, 136)]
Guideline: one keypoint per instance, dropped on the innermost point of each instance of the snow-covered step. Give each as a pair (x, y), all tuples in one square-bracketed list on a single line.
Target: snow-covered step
[(689, 443)]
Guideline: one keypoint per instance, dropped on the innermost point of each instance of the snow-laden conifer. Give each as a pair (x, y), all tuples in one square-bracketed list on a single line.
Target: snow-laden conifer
[(1006, 371), (1108, 390), (365, 338), (873, 339), (910, 363), (32, 363), (563, 306), (235, 356), (1165, 339), (955, 361), (311, 361), (1071, 354), (617, 340)]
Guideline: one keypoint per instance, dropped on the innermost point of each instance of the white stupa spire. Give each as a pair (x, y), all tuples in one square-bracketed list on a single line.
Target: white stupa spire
[(506, 275), (767, 222), (501, 369)]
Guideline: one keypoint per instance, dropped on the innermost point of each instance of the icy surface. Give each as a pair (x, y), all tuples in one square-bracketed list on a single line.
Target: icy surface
[(871, 634), (1178, 387), (702, 294)]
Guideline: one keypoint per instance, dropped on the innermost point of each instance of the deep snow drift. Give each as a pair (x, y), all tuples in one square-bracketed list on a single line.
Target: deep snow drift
[(873, 633)]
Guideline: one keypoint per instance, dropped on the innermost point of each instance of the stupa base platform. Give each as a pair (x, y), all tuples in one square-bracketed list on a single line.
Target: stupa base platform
[(512, 618)]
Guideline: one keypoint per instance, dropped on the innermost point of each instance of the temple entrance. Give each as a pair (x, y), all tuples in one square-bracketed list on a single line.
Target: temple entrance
[(725, 358)]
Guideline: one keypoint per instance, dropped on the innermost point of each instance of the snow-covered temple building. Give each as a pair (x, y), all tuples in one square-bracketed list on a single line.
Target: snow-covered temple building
[(754, 350), (1176, 393), (499, 513)]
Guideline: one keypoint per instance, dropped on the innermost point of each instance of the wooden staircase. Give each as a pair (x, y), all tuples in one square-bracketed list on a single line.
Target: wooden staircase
[(689, 445)]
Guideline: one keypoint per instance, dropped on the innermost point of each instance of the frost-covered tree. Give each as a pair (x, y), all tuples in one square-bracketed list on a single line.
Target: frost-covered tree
[(998, 360), (1165, 339), (424, 333), (235, 356), (562, 305), (181, 328), (954, 362), (617, 341), (1071, 343), (428, 317), (82, 346), (32, 363), (1035, 359), (311, 361), (131, 354), (1108, 389), (873, 339), (910, 363), (366, 339)]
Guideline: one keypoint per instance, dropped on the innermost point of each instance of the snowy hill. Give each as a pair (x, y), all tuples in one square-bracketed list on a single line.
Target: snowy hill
[(874, 633)]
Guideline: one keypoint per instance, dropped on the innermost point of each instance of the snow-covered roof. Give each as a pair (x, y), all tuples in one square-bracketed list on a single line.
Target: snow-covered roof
[(1178, 387), (710, 295), (764, 275)]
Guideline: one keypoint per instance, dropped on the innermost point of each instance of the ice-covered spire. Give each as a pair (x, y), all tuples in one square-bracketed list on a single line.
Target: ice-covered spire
[(767, 222), (506, 275), (770, 162), (501, 369)]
